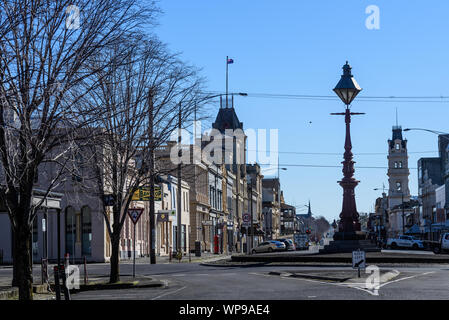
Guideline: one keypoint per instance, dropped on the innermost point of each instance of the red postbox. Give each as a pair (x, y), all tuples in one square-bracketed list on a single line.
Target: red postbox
[(216, 244)]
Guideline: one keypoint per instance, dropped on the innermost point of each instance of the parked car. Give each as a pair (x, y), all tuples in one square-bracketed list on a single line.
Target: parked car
[(269, 246), (439, 246), (289, 245), (405, 242)]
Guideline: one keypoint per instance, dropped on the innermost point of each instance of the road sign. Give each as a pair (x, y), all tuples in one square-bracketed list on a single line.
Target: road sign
[(135, 214), (143, 194), (358, 259), (171, 213), (246, 217)]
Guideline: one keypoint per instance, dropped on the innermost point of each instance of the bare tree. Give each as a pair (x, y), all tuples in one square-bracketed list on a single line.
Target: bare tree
[(140, 100), (44, 49)]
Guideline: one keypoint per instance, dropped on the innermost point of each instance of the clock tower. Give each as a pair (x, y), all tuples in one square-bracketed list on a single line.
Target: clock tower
[(398, 171)]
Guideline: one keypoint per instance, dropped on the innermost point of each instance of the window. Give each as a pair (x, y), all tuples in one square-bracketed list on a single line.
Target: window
[(396, 164), (397, 146), (70, 230), (400, 164), (86, 238), (398, 186)]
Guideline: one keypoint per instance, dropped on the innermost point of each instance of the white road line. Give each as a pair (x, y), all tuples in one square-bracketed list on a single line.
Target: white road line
[(178, 275), (165, 294)]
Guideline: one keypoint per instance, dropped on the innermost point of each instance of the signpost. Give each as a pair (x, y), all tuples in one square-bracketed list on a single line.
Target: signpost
[(358, 260), (134, 214)]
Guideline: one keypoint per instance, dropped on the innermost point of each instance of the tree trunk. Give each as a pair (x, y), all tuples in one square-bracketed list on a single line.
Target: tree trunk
[(22, 263), (115, 259)]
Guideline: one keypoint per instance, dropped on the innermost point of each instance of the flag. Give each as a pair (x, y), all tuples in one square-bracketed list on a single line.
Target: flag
[(230, 61)]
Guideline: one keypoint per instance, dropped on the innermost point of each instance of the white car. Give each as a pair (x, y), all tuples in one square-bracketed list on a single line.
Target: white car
[(269, 246), (405, 242)]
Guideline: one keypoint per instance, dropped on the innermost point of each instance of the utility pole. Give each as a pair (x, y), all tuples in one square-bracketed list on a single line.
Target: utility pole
[(152, 233), (178, 240)]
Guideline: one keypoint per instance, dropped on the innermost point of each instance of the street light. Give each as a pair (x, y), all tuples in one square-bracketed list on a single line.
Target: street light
[(347, 89)]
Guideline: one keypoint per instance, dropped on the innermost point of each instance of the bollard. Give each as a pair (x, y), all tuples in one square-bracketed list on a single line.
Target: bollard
[(1, 256), (44, 271), (86, 279), (57, 284), (64, 282), (169, 255)]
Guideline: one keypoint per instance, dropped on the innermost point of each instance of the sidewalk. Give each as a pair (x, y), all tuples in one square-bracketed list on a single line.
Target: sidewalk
[(205, 257)]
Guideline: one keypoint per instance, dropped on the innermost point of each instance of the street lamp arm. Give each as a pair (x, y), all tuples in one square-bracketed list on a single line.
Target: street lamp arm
[(428, 130)]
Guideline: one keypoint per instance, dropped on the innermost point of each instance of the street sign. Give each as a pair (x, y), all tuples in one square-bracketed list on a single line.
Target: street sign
[(358, 259), (207, 223), (135, 214), (171, 213), (246, 217), (143, 194)]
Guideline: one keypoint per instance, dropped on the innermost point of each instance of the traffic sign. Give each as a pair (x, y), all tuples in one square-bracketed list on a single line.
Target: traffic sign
[(246, 217), (358, 259), (143, 194), (135, 214)]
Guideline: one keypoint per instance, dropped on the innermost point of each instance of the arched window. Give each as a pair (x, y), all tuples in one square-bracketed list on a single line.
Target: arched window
[(86, 223), (70, 230)]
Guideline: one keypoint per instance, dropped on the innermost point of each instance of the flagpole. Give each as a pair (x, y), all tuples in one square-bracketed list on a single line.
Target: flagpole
[(227, 80)]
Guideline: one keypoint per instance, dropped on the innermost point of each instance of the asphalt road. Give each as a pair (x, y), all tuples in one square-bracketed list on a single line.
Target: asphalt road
[(196, 282)]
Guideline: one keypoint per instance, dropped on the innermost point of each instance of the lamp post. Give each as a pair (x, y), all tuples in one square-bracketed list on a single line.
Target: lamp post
[(279, 189), (347, 89)]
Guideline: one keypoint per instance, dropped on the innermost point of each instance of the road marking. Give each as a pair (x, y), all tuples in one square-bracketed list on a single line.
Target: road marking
[(351, 285), (165, 294), (179, 275)]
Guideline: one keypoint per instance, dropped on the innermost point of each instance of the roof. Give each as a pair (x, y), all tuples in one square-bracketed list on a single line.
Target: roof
[(227, 119)]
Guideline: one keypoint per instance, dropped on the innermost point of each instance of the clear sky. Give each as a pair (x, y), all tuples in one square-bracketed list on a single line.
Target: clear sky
[(299, 47)]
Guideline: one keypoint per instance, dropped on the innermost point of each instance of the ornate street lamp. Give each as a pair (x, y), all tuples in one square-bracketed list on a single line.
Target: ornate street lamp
[(347, 89)]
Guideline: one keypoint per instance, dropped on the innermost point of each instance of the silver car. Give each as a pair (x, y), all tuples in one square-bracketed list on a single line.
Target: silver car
[(269, 246)]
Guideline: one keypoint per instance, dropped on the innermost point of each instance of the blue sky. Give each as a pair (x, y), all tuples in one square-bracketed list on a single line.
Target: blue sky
[(299, 47)]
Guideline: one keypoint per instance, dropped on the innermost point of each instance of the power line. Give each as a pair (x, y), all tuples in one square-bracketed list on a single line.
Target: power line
[(419, 99), (335, 153), (330, 166)]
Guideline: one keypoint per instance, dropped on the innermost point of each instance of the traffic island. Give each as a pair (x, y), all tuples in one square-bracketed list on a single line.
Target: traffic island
[(371, 258), (125, 283)]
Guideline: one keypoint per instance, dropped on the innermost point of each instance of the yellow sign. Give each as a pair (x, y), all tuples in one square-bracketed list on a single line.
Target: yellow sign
[(143, 194)]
